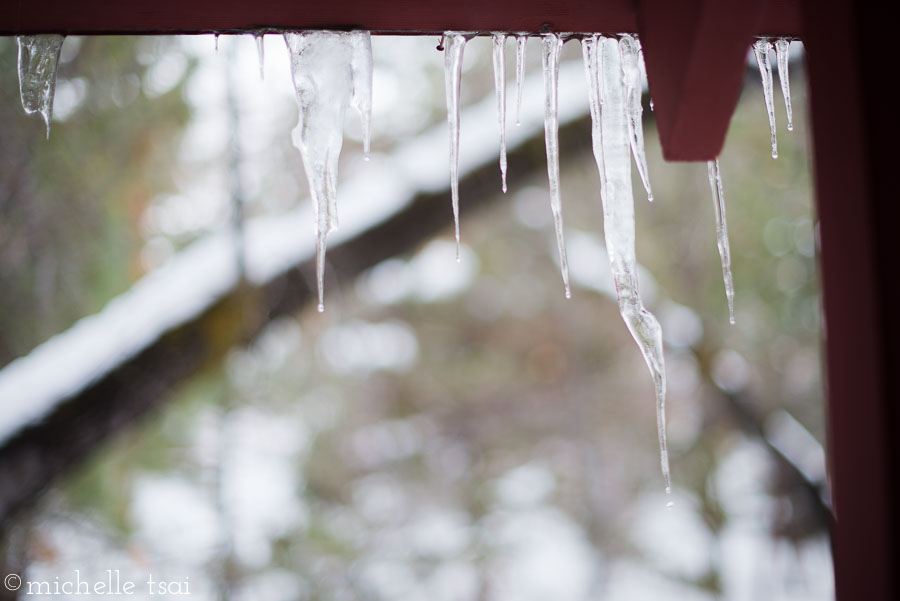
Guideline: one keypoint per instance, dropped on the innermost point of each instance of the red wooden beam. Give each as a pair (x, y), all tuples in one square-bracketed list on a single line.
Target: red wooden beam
[(695, 52)]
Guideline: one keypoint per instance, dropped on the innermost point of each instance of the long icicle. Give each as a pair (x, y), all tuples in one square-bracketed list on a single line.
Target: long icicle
[(618, 227), (454, 45), (718, 196), (782, 57), (322, 70), (551, 44), (761, 51), (631, 66), (521, 39), (590, 50), (498, 41), (38, 62)]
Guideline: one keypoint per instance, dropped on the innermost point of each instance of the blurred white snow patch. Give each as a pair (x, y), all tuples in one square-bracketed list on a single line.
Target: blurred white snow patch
[(430, 276), (631, 581), (436, 532), (682, 327), (380, 498), (730, 371), (740, 482), (589, 267), (796, 443), (453, 581), (272, 584), (386, 577), (260, 480), (70, 93), (530, 207), (542, 554), (528, 484), (388, 441), (175, 518), (165, 73), (674, 539), (359, 347)]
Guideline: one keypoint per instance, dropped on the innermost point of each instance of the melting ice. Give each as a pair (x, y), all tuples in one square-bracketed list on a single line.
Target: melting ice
[(261, 53), (718, 196), (761, 51), (454, 45), (38, 61), (631, 67), (606, 78), (551, 44), (331, 71), (783, 55), (521, 40), (498, 41)]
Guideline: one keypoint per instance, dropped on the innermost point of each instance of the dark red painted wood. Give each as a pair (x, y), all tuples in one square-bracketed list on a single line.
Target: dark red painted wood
[(695, 52), (849, 53), (407, 16)]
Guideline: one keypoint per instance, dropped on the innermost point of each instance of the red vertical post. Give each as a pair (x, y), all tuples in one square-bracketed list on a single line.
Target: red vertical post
[(855, 140)]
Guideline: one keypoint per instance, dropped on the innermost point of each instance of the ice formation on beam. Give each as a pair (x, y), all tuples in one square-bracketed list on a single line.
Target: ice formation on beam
[(551, 44), (761, 51), (454, 46), (783, 56), (38, 61), (521, 40), (632, 58), (606, 84), (261, 53), (498, 42), (718, 196), (331, 71)]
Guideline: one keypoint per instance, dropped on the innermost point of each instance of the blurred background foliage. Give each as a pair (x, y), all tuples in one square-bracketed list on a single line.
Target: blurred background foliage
[(443, 431)]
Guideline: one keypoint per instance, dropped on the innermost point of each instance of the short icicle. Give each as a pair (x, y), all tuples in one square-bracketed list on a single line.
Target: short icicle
[(454, 45), (323, 70), (498, 41), (521, 40), (261, 53), (551, 44), (718, 196), (618, 225), (216, 42), (590, 52), (362, 67), (761, 51), (38, 62), (631, 67), (782, 56)]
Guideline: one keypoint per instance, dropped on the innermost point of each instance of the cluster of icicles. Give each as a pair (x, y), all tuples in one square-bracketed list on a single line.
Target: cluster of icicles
[(332, 71)]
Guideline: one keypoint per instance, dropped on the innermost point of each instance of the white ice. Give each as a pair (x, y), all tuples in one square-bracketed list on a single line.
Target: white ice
[(782, 56), (326, 69), (521, 40), (551, 44), (454, 45), (38, 61), (718, 196), (761, 51), (632, 57), (498, 41), (261, 53), (618, 218)]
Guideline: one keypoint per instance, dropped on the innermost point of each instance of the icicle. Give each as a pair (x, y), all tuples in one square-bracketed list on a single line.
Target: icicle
[(323, 69), (521, 39), (782, 56), (498, 41), (261, 53), (590, 50), (216, 41), (361, 65), (631, 66), (618, 222), (551, 44), (718, 195), (761, 50), (38, 61), (454, 45)]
